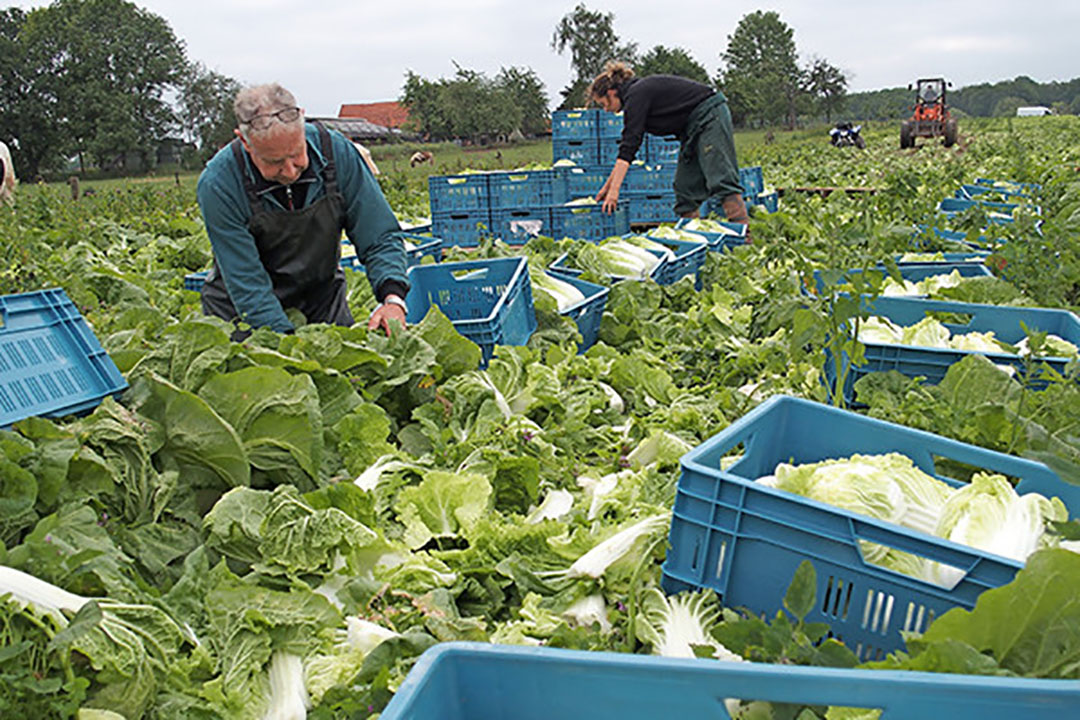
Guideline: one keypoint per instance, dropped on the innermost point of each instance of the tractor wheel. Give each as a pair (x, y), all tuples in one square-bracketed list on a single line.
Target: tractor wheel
[(951, 131), (859, 142), (906, 138)]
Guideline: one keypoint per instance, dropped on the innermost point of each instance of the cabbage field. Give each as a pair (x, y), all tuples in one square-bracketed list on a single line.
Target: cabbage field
[(280, 527)]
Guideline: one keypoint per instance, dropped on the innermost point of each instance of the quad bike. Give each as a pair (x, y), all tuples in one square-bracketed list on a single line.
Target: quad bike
[(845, 134), (930, 116)]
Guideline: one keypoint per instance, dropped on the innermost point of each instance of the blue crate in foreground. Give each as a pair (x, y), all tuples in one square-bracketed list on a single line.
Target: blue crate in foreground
[(745, 540), (752, 180), (589, 312), (589, 222), (933, 363), (51, 363), (422, 246), (689, 257), (561, 267), (194, 281), (769, 201), (918, 271), (489, 301), (478, 681), (718, 241)]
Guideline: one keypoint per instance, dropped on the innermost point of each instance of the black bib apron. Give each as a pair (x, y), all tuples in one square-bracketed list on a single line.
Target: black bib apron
[(300, 250)]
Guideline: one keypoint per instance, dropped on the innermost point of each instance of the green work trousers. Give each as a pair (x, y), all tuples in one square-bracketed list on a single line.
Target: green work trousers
[(707, 164)]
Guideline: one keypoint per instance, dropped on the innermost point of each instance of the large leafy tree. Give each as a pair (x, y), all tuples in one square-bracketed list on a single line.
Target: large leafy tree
[(828, 85), (29, 107), (590, 37), (671, 61), (113, 67), (526, 90), (206, 108), (761, 76), (470, 105)]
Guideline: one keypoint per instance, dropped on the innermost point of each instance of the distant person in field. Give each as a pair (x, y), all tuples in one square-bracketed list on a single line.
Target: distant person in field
[(668, 105), (7, 173), (275, 201)]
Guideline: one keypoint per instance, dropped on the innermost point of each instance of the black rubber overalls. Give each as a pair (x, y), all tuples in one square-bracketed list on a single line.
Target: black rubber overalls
[(300, 250)]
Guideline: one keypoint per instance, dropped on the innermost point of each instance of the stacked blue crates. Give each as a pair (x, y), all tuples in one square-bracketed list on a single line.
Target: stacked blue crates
[(520, 204), (460, 208)]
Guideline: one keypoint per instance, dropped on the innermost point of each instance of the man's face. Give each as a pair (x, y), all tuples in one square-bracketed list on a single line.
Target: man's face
[(280, 156)]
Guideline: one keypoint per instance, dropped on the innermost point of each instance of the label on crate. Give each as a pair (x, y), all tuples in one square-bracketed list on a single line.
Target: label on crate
[(531, 228)]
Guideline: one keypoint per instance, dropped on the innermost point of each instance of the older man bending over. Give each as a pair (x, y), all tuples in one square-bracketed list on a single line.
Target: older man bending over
[(275, 201)]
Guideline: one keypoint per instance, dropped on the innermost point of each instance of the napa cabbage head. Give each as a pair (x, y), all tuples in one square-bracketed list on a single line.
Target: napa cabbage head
[(928, 332), (880, 331)]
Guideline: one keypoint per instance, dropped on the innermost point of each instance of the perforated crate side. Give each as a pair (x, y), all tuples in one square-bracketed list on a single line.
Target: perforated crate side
[(652, 207), (574, 124), (456, 193), (581, 152), (590, 222), (745, 540), (464, 228), (51, 363), (517, 226), (660, 150), (194, 281), (520, 189)]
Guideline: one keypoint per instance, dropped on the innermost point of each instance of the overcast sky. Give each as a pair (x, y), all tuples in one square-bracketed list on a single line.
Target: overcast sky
[(330, 52)]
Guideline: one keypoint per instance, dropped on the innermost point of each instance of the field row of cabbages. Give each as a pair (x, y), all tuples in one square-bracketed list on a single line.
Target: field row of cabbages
[(290, 521)]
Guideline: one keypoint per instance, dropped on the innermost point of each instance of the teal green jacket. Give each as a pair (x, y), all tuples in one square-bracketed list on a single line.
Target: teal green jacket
[(369, 224)]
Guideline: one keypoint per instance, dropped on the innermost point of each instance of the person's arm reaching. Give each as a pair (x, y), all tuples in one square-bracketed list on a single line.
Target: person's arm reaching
[(609, 193)]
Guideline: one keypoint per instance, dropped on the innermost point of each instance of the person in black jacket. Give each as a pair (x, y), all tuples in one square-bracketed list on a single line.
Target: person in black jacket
[(669, 105)]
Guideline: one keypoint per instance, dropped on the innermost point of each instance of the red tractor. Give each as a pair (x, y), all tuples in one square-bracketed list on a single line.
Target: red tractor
[(930, 117)]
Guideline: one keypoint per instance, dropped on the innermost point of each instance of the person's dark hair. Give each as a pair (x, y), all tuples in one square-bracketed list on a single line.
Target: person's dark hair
[(615, 74)]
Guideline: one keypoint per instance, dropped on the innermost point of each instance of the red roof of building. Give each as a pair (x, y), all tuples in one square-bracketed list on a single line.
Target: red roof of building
[(388, 114)]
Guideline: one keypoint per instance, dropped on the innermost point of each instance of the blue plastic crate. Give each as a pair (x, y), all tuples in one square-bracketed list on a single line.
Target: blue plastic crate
[(719, 242), (520, 189), (958, 237), (608, 125), (655, 207), (517, 226), (608, 151), (1026, 187), (561, 267), (689, 257), (981, 192), (462, 228), (581, 152), (650, 179), (661, 150), (745, 540), (589, 222), (489, 301), (920, 271), (951, 258), (571, 183), (51, 363), (933, 363), (769, 201), (589, 312), (455, 193), (478, 681), (574, 124), (423, 246), (752, 180), (952, 207), (194, 281)]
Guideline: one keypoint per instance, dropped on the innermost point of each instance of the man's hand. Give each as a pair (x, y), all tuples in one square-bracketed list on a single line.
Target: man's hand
[(387, 316)]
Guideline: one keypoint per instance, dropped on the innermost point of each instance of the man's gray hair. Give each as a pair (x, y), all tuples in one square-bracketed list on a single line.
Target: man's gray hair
[(262, 100)]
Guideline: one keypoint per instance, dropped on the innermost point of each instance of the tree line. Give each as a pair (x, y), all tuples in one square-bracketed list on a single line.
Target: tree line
[(103, 81), (761, 75)]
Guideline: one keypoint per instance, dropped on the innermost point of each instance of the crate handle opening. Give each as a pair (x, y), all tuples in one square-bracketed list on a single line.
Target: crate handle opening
[(517, 178), (470, 275)]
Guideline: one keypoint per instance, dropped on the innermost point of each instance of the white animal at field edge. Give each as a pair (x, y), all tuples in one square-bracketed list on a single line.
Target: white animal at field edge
[(7, 185)]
